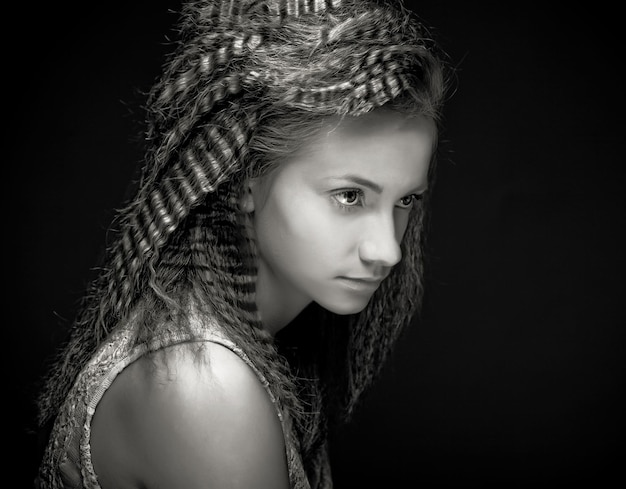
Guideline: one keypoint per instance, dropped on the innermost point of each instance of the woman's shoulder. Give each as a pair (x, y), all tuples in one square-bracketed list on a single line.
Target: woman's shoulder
[(188, 417)]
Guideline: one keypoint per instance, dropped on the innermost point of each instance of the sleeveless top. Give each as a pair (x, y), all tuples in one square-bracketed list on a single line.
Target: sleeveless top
[(67, 463)]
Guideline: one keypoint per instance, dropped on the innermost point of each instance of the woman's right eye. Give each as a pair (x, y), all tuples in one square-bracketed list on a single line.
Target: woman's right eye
[(348, 198)]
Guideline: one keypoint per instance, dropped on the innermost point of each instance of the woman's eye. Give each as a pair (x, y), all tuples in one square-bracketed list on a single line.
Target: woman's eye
[(348, 198), (408, 201)]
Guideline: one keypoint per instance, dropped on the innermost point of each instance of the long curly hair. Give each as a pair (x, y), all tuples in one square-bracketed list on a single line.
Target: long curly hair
[(247, 83)]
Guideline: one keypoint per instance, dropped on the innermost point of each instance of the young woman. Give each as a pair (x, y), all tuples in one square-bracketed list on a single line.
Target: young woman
[(269, 258)]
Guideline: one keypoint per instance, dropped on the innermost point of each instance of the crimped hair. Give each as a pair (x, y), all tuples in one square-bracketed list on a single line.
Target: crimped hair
[(247, 82)]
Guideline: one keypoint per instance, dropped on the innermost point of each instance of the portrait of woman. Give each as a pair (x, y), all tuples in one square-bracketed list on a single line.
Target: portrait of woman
[(289, 148), (315, 244)]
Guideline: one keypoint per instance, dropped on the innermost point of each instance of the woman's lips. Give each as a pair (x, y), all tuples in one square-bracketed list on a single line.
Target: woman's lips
[(361, 283)]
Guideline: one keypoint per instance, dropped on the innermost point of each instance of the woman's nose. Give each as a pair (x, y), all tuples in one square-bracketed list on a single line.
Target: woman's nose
[(380, 244)]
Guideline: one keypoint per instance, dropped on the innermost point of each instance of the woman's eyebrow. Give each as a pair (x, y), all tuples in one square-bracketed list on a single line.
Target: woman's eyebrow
[(360, 181), (372, 185)]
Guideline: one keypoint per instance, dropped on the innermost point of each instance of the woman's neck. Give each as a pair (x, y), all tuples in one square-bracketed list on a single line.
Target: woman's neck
[(277, 307)]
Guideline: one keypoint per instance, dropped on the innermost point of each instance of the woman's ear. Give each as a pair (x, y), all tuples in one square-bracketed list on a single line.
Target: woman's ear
[(246, 202)]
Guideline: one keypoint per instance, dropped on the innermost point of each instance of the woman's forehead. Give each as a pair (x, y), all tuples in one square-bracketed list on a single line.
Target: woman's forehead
[(380, 121), (383, 148)]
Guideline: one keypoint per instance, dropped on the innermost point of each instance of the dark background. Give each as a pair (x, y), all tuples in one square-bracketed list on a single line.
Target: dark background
[(514, 374)]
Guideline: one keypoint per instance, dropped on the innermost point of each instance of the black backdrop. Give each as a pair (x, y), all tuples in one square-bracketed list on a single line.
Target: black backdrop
[(514, 374)]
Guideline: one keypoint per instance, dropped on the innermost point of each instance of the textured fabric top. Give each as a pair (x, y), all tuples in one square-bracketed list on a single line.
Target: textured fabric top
[(67, 459)]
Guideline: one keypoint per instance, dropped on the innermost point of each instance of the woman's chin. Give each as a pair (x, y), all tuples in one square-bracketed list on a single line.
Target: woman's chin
[(345, 308)]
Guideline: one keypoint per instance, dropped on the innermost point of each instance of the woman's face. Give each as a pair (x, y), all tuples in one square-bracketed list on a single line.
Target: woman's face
[(328, 223)]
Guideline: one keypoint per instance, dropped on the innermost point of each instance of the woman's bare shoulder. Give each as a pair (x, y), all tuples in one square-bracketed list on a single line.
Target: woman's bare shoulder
[(202, 419)]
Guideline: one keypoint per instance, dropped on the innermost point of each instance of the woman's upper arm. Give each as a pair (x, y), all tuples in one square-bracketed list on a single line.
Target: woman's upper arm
[(202, 425)]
